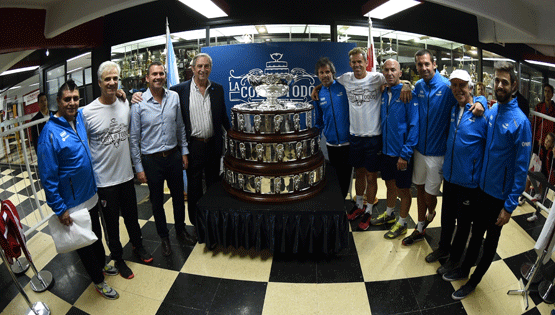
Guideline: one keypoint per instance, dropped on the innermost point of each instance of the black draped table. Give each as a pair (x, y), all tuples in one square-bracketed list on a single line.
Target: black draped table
[(316, 225)]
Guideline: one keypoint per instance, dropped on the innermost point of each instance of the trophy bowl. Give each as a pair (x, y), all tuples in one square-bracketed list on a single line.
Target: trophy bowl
[(272, 85)]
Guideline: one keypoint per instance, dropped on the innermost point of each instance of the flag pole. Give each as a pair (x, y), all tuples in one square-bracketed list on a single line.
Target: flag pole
[(371, 52)]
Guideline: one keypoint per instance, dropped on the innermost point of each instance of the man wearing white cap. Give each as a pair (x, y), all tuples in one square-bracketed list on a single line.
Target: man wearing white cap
[(461, 167), (506, 158)]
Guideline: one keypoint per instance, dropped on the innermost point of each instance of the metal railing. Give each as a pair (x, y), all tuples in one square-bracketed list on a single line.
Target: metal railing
[(19, 181)]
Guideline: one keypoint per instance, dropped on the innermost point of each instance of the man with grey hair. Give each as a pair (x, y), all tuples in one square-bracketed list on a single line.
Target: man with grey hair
[(205, 118), (107, 124)]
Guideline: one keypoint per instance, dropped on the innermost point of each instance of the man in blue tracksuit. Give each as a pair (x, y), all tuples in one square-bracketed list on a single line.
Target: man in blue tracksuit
[(399, 122), (461, 168), (331, 114), (66, 173), (435, 102), (506, 159)]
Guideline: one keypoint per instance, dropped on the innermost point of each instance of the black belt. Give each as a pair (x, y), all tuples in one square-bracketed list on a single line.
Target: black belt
[(164, 153), (205, 140)]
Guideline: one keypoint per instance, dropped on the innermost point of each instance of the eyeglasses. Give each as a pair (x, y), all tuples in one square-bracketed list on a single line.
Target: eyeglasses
[(69, 98)]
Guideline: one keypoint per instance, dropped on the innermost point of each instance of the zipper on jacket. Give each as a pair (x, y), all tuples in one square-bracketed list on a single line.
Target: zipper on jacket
[(473, 169), (334, 119), (71, 185), (427, 116), (504, 179), (453, 148), (486, 158)]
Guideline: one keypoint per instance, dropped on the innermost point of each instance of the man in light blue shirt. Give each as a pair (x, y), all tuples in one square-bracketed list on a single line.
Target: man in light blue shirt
[(159, 151)]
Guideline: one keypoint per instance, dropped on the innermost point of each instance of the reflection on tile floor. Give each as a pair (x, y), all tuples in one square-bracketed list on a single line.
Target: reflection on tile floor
[(373, 276)]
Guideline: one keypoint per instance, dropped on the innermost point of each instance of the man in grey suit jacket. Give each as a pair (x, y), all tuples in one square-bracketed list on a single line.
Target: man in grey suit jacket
[(205, 117)]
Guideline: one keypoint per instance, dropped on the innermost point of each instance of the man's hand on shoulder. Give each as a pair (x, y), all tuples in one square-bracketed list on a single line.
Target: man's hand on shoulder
[(314, 94), (137, 97), (477, 109), (121, 95), (406, 92)]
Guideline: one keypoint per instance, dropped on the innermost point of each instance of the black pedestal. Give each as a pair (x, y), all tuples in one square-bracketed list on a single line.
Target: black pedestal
[(316, 225)]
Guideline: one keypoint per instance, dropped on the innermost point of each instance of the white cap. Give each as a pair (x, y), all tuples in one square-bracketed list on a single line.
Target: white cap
[(461, 75)]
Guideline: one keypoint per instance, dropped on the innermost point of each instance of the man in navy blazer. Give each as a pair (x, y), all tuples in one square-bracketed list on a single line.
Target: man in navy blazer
[(205, 118)]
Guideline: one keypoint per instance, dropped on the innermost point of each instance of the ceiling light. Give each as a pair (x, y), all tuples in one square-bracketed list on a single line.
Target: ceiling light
[(80, 56), (541, 63), (205, 7), (76, 69), (390, 8), (19, 70), (14, 87), (33, 84), (261, 29)]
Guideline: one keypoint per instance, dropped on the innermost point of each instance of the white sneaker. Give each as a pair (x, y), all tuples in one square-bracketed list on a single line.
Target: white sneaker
[(521, 200), (537, 197), (106, 291), (532, 218)]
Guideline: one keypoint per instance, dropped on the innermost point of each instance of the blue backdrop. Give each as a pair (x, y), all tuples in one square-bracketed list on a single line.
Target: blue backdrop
[(231, 64)]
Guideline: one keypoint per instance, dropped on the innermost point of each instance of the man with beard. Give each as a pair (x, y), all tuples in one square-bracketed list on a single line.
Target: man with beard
[(506, 159)]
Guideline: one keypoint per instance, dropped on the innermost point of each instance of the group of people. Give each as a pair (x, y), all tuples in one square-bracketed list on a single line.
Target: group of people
[(439, 133), (85, 155)]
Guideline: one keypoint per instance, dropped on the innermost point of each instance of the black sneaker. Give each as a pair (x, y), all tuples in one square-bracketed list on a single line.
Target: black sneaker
[(124, 271), (415, 237), (143, 255), (446, 267), (455, 274), (436, 255), (463, 292)]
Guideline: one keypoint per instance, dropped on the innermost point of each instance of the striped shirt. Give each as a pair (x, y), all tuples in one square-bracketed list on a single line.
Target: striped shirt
[(156, 127), (200, 112)]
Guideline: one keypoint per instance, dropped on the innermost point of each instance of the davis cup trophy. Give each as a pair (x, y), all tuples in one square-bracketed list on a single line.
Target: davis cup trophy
[(272, 150)]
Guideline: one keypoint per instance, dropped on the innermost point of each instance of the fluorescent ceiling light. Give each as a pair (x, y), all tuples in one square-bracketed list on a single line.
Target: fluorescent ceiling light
[(76, 69), (541, 63), (499, 59), (390, 8), (80, 56), (14, 87), (205, 7), (34, 84), (19, 70)]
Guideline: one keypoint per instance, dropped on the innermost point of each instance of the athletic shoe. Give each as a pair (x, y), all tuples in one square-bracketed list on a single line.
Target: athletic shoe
[(110, 270), (521, 200), (446, 267), (143, 255), (415, 237), (365, 221), (532, 218), (463, 292), (396, 230), (356, 213), (455, 274), (536, 197), (429, 218), (124, 271), (384, 218), (106, 291), (436, 255)]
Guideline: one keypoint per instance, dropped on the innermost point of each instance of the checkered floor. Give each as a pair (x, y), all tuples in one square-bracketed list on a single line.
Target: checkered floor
[(374, 276)]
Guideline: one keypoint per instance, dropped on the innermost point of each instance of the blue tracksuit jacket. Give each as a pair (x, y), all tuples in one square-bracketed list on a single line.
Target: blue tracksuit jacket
[(507, 154), (435, 102), (331, 113), (465, 147), (399, 124), (65, 164)]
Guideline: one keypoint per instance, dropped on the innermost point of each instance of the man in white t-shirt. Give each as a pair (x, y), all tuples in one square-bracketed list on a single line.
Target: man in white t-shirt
[(364, 94), (107, 123)]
